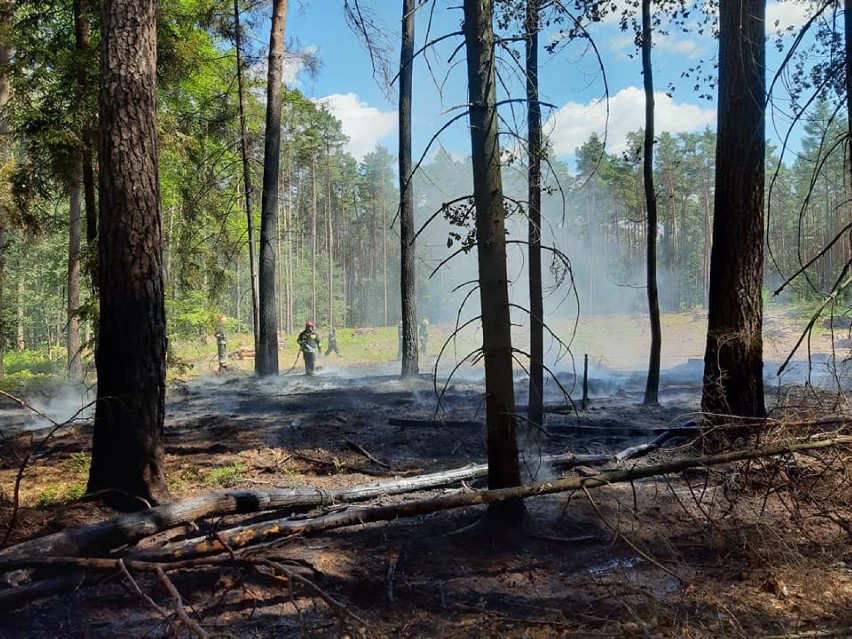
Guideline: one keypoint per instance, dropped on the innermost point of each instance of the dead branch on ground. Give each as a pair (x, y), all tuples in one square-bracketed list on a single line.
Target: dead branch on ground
[(243, 536), (225, 545), (102, 538)]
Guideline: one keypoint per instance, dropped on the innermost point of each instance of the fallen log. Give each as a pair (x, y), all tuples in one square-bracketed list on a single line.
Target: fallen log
[(265, 532), (103, 538), (187, 553)]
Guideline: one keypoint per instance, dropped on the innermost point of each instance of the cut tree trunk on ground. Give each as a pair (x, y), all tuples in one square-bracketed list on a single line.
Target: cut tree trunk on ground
[(264, 532), (103, 538), (225, 543)]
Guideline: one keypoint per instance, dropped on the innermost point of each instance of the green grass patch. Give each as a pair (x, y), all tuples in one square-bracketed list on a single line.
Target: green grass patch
[(61, 492), (80, 464), (224, 476), (76, 469)]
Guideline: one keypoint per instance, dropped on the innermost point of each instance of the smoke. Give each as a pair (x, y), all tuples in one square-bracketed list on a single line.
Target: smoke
[(65, 406)]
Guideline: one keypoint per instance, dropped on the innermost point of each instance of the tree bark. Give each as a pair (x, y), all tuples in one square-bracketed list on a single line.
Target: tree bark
[(847, 42), (20, 342), (733, 360), (384, 208), (535, 399), (329, 236), (503, 467), (652, 385), (127, 448), (82, 38), (313, 235), (266, 358), (72, 328), (6, 19), (288, 233), (407, 273), (255, 310)]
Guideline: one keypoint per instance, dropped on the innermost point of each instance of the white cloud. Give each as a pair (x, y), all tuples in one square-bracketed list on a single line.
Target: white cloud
[(571, 126), (787, 14), (365, 125), (680, 46), (624, 46)]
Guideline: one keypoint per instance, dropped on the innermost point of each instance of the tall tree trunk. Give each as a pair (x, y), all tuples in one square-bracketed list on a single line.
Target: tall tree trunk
[(20, 342), (535, 399), (383, 204), (127, 448), (407, 249), (847, 34), (329, 237), (82, 188), (82, 39), (72, 328), (313, 237), (279, 266), (6, 20), (255, 310), (652, 385), (733, 361), (708, 239), (501, 424), (288, 217), (266, 359)]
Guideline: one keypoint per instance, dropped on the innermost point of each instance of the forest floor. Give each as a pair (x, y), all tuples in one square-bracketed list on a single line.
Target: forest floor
[(751, 549)]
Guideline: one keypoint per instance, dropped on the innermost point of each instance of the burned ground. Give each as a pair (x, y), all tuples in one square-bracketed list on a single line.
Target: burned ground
[(751, 549)]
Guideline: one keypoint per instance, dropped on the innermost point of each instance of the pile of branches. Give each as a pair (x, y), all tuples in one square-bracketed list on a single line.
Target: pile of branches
[(206, 533)]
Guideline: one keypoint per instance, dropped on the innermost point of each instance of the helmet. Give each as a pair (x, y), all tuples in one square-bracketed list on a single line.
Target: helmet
[(309, 324), (221, 319)]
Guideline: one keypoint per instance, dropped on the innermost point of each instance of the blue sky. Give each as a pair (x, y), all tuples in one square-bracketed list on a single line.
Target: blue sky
[(570, 80)]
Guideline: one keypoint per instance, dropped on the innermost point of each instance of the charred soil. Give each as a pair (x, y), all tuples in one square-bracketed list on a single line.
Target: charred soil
[(749, 549)]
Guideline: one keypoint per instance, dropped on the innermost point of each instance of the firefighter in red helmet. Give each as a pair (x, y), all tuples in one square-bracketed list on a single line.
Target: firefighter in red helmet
[(309, 342)]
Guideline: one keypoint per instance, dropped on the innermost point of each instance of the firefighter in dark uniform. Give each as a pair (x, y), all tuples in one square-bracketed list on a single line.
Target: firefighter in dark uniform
[(309, 342)]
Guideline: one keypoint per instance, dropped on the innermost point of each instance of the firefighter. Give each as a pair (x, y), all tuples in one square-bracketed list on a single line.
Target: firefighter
[(332, 342), (221, 344), (424, 335), (309, 342)]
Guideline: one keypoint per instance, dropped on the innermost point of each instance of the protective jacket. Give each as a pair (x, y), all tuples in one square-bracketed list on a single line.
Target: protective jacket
[(309, 341)]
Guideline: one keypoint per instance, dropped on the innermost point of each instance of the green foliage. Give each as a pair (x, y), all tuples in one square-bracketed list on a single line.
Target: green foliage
[(592, 209), (30, 372), (51, 494), (33, 362), (58, 493), (80, 464), (225, 476), (190, 317), (77, 471)]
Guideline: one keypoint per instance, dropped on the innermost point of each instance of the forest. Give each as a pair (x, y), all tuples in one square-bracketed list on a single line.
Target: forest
[(174, 211)]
